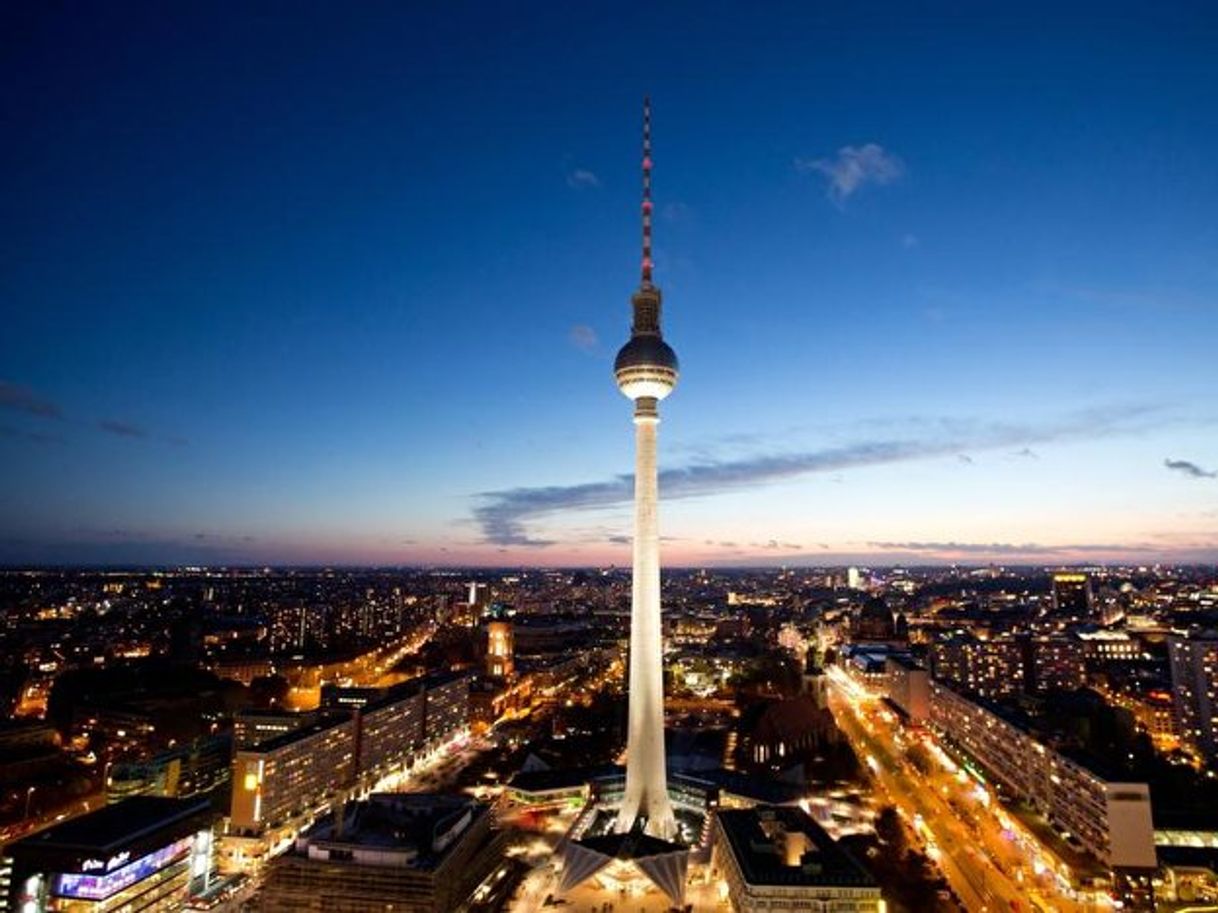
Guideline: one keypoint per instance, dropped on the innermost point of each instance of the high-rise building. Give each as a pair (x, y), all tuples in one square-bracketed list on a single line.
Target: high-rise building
[(390, 728), (908, 686), (986, 668), (445, 706), (854, 578), (1194, 678), (289, 775), (1072, 595), (1109, 816), (253, 725), (646, 372), (1056, 663)]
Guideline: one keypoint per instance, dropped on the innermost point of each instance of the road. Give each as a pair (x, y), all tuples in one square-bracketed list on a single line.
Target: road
[(984, 856)]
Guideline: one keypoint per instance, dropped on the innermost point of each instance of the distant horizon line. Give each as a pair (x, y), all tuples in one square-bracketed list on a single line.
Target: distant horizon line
[(484, 569)]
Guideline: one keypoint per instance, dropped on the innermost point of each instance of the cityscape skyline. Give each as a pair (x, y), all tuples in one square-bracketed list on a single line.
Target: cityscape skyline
[(291, 307), (330, 581)]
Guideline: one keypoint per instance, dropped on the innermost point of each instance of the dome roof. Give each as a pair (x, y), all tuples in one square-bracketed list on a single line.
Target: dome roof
[(645, 352), (876, 609)]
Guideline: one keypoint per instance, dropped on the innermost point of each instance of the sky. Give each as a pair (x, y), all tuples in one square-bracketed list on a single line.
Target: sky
[(324, 283)]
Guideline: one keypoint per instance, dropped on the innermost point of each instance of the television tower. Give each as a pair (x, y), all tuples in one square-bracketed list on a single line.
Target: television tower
[(646, 371)]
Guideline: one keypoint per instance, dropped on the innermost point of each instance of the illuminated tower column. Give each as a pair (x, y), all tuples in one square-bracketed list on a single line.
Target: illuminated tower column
[(646, 371)]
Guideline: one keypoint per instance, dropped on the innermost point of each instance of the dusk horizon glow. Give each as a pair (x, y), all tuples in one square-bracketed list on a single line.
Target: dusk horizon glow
[(344, 289)]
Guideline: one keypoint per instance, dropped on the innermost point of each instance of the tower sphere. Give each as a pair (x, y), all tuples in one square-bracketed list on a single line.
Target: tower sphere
[(646, 366)]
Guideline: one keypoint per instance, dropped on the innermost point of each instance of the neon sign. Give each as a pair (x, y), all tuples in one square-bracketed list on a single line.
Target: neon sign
[(91, 865), (98, 887)]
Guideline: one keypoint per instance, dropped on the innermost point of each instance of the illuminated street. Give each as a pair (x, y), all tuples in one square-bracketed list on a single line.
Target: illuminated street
[(987, 864)]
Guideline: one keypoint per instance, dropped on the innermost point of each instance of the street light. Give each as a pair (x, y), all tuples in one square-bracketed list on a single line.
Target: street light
[(28, 795)]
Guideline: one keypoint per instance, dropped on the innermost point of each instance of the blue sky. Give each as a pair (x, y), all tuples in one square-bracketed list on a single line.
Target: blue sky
[(314, 284)]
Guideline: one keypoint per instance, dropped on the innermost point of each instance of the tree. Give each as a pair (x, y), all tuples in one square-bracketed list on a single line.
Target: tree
[(890, 831)]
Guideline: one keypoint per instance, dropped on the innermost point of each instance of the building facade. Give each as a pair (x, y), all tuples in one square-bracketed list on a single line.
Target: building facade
[(1072, 596), (287, 776), (251, 726), (142, 855), (779, 860), (390, 729), (1194, 676), (987, 668), (406, 852), (908, 686), (499, 640), (1110, 819), (1056, 663), (445, 707)]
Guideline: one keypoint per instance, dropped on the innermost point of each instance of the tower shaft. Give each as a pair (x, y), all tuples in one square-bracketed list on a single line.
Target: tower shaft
[(646, 793)]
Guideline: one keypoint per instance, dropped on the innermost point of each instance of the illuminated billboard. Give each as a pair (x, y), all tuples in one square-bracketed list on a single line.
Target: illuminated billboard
[(98, 887)]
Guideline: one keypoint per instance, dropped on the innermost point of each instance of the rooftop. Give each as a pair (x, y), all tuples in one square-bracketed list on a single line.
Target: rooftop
[(110, 829), (780, 845), (321, 724), (403, 829)]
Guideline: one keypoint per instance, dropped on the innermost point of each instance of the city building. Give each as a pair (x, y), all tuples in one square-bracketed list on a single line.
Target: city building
[(1072, 596), (251, 726), (1109, 818), (348, 697), (866, 663), (908, 686), (987, 668), (407, 852), (499, 661), (779, 859), (391, 729), (1194, 676), (194, 769), (445, 706), (1101, 645), (287, 776), (281, 784), (1056, 663), (142, 854), (874, 622)]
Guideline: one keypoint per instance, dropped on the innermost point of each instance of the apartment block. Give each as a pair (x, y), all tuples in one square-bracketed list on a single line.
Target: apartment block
[(1109, 818)]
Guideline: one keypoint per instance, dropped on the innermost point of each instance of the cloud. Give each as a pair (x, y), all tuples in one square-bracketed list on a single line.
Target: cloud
[(23, 399), (775, 545), (502, 515), (121, 428), (1027, 453), (965, 459), (1000, 548), (38, 437), (1192, 470), (582, 178), (584, 338), (854, 167)]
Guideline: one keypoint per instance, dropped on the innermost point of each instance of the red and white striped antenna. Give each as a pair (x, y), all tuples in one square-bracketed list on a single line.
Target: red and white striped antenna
[(646, 192)]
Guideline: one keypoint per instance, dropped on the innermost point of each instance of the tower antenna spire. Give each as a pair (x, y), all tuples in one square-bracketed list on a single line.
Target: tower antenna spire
[(646, 263)]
